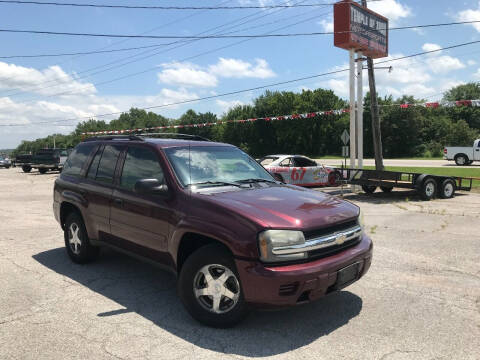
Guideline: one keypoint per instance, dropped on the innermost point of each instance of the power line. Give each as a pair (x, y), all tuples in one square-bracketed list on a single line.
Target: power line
[(193, 37), (138, 7), (246, 90), (152, 68)]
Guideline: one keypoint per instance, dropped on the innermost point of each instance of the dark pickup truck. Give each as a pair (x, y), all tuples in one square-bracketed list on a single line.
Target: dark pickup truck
[(43, 160)]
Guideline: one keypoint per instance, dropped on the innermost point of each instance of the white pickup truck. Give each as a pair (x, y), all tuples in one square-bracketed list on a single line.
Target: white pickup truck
[(463, 155)]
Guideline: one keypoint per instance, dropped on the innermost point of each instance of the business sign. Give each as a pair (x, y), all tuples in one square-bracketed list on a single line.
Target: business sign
[(361, 29)]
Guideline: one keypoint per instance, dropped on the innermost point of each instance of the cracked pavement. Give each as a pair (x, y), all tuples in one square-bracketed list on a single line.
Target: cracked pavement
[(420, 299)]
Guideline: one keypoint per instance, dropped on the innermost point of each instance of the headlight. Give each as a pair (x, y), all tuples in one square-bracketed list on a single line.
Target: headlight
[(361, 221), (270, 240)]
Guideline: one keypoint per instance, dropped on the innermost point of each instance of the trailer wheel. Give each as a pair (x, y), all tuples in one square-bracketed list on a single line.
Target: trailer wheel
[(461, 160), (447, 190), (386, 189), (42, 170), (369, 189), (429, 189), (26, 168)]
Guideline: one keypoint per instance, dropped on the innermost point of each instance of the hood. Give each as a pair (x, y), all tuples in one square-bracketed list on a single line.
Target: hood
[(284, 206)]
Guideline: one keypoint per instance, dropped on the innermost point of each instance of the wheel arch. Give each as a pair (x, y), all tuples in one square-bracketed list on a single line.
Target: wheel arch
[(191, 242), (67, 208)]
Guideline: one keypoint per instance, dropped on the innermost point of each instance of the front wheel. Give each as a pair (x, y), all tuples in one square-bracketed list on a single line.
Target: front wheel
[(209, 287)]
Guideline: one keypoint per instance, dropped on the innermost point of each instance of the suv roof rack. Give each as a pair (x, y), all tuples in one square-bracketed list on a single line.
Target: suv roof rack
[(175, 136), (115, 137)]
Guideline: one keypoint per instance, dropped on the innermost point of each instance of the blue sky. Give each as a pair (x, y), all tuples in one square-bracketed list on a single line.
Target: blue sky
[(49, 89)]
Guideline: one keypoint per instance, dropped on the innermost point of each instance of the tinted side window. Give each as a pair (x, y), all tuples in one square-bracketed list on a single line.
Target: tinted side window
[(76, 160), (287, 162), (108, 161), (140, 163), (304, 162), (92, 171)]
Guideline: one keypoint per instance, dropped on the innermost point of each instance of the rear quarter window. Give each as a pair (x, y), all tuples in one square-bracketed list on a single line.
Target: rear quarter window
[(75, 162)]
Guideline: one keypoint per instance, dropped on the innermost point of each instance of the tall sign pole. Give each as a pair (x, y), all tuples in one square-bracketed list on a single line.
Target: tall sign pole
[(353, 128), (376, 129), (362, 31), (360, 109)]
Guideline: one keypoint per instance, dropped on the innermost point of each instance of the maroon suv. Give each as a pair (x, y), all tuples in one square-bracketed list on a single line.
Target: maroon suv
[(211, 214)]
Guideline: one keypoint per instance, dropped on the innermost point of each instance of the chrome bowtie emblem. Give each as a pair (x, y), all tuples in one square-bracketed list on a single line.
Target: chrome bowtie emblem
[(340, 239)]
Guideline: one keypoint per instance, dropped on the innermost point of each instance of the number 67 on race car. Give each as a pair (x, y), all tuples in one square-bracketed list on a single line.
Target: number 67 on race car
[(300, 170)]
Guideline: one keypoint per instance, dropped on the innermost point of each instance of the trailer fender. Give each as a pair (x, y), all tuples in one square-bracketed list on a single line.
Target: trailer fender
[(419, 181)]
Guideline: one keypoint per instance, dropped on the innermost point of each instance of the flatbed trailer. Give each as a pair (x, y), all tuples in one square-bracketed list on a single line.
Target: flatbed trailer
[(427, 186)]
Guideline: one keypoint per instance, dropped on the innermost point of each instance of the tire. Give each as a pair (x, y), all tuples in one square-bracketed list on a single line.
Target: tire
[(462, 160), (447, 189), (369, 189), (78, 247), (428, 189), (334, 178), (212, 260), (278, 177), (470, 162), (26, 168), (386, 189), (42, 170), (8, 167)]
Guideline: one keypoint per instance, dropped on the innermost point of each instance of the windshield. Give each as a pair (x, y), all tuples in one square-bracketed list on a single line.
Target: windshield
[(214, 164)]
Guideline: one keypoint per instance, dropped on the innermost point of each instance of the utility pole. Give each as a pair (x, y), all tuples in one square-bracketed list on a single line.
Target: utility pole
[(376, 130)]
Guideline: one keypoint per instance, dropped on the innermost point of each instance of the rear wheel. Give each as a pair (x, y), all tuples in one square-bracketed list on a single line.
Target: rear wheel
[(429, 189), (26, 168), (42, 170), (77, 243), (462, 160), (386, 189), (447, 190), (369, 189), (209, 287), (334, 178)]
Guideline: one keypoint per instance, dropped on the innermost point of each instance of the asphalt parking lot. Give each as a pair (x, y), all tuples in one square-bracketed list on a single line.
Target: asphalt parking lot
[(420, 299)]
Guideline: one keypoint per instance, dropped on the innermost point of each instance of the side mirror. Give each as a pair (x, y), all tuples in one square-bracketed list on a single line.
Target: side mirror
[(151, 186)]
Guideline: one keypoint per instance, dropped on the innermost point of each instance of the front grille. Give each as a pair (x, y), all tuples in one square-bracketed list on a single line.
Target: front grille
[(312, 234), (331, 250)]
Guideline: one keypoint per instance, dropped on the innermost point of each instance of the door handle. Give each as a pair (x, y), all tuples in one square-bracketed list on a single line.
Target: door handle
[(118, 202)]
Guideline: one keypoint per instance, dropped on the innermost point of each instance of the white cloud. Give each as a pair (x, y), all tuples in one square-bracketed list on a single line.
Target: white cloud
[(392, 9), (470, 15), (186, 74), (20, 78), (327, 25), (471, 62), (421, 77), (226, 105), (477, 74), (235, 68), (444, 64), (431, 47)]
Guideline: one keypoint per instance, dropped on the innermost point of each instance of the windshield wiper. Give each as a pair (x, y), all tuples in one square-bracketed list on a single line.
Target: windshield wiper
[(255, 180), (217, 183)]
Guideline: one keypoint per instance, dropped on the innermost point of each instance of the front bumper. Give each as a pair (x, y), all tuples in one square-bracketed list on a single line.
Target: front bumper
[(293, 284)]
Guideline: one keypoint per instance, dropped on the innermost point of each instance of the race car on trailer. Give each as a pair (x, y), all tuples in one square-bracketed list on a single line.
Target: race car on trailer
[(300, 170)]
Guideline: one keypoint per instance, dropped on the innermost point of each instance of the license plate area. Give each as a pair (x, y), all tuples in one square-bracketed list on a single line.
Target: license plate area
[(347, 275)]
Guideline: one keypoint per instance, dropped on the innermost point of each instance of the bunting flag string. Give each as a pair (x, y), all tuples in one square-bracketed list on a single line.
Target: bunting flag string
[(434, 105)]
